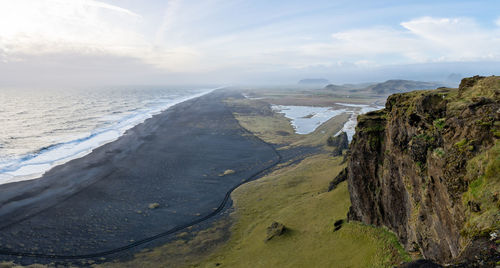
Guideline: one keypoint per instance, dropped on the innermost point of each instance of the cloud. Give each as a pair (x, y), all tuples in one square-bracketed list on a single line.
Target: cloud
[(215, 37), (420, 40), (456, 39), (54, 26), (82, 27), (108, 6)]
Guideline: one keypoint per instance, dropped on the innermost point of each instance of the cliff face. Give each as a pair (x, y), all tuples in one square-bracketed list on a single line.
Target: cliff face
[(427, 167)]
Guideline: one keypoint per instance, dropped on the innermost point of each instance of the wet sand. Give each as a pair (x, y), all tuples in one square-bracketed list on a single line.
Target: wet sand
[(101, 201)]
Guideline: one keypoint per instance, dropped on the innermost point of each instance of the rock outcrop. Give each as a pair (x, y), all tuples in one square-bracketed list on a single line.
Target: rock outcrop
[(341, 177), (428, 168), (339, 143), (274, 230)]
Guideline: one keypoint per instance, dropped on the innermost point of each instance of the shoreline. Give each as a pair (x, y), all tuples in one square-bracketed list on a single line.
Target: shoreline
[(24, 170), (100, 201)]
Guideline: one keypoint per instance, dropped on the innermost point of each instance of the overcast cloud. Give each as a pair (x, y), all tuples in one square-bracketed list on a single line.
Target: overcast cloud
[(213, 41)]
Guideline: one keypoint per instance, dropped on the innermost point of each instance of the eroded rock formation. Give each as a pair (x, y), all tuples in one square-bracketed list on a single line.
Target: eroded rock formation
[(428, 165)]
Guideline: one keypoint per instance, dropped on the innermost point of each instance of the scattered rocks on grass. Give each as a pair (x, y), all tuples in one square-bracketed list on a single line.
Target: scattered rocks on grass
[(338, 224), (276, 229)]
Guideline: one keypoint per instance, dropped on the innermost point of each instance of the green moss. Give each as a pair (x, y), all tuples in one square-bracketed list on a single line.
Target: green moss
[(483, 172), (461, 143), (440, 123), (426, 137), (485, 122), (374, 142), (439, 152), (371, 129), (464, 145), (475, 187)]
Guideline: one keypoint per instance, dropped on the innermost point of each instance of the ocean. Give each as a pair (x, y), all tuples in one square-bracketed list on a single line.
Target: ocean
[(43, 128)]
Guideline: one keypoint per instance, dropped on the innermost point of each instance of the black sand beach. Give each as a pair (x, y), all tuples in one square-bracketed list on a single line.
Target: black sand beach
[(101, 201)]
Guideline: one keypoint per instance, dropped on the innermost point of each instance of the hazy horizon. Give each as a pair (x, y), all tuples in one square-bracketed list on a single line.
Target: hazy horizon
[(49, 43)]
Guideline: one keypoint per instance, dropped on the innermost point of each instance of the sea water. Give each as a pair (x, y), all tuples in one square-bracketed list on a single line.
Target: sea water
[(43, 128)]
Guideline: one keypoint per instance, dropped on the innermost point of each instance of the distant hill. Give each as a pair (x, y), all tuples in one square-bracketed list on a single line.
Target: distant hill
[(313, 81), (349, 87), (400, 86), (337, 87), (387, 87)]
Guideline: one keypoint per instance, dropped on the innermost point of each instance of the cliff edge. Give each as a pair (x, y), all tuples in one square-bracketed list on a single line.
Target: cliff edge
[(428, 168)]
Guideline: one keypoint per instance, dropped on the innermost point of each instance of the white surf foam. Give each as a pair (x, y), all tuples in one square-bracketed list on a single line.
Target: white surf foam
[(33, 166)]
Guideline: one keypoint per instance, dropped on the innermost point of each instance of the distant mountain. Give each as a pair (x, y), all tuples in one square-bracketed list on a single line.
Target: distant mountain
[(400, 86), (314, 81), (336, 87), (350, 87), (387, 87)]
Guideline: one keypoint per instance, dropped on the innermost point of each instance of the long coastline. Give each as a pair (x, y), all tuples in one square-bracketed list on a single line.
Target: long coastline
[(33, 166), (101, 201)]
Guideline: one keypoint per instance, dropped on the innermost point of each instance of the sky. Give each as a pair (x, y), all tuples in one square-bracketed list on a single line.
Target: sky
[(111, 42)]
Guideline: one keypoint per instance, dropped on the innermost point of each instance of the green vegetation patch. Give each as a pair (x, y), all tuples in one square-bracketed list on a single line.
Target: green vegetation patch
[(440, 123), (464, 145), (439, 152)]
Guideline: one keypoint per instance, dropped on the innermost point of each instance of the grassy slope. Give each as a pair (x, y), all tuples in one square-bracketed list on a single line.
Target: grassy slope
[(296, 196)]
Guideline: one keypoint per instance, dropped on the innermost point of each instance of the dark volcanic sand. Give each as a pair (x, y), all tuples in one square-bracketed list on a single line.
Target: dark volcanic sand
[(100, 202)]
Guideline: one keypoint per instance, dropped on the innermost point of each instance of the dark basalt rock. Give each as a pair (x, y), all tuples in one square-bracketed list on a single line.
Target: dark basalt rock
[(407, 165), (420, 264), (339, 142), (337, 225), (342, 176)]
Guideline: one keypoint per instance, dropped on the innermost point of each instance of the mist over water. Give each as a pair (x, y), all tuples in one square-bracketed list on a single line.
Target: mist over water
[(42, 128)]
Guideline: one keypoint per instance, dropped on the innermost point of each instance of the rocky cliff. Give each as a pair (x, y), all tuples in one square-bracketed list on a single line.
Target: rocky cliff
[(428, 168)]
